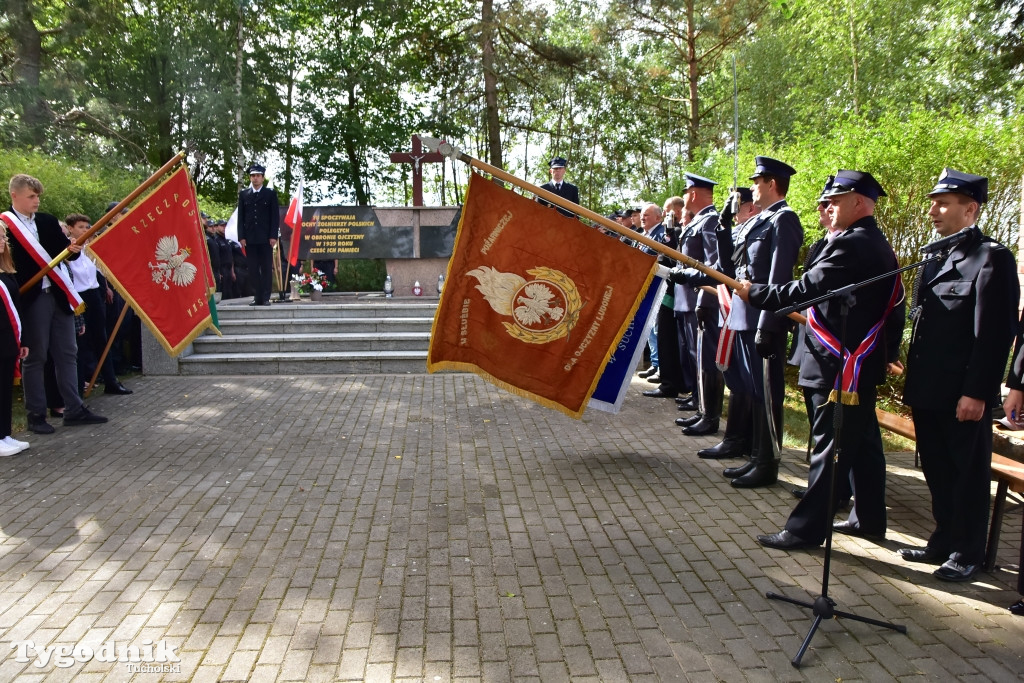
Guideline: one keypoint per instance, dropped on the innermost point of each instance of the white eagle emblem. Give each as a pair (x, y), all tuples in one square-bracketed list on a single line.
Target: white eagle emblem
[(542, 310), (172, 264)]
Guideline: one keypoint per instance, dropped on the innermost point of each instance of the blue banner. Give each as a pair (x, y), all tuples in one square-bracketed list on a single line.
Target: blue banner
[(611, 388)]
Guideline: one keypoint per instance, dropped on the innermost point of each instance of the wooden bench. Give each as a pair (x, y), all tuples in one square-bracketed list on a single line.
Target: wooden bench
[(1010, 477), (1007, 472)]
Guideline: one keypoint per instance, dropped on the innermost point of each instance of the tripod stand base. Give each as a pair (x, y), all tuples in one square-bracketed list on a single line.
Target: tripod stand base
[(823, 607)]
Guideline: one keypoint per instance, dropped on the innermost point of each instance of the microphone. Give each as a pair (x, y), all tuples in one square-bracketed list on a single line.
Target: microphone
[(946, 242)]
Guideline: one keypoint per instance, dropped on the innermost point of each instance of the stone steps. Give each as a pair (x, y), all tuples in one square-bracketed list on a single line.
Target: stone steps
[(339, 335)]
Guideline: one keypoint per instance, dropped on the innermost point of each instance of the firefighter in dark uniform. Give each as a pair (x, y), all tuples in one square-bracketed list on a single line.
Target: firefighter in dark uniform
[(965, 319), (259, 216), (736, 442), (765, 252), (559, 186), (1013, 406), (697, 309), (874, 327)]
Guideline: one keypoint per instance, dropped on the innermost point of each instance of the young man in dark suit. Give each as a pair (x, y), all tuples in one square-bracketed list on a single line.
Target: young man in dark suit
[(965, 318), (48, 325), (559, 186), (259, 216)]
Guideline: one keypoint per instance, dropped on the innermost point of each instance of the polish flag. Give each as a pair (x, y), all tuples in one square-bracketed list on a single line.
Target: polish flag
[(293, 219)]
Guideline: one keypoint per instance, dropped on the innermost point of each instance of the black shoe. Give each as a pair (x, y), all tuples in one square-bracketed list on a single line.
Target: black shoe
[(722, 451), (53, 413), (655, 378), (117, 389), (761, 474), (689, 421), (850, 529), (660, 393), (798, 493), (927, 554), (653, 370), (689, 404), (253, 303), (39, 425), (684, 399), (956, 572), (83, 417), (739, 471), (785, 541), (1017, 608), (702, 428)]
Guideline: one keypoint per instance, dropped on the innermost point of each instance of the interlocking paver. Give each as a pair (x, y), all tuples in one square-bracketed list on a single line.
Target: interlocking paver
[(434, 528)]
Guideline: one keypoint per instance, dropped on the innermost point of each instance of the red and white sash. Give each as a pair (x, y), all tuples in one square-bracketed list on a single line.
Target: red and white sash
[(59, 275), (847, 378), (726, 337), (12, 315)]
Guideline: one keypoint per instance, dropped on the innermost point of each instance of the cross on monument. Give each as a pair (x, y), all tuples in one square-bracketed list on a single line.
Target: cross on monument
[(417, 157)]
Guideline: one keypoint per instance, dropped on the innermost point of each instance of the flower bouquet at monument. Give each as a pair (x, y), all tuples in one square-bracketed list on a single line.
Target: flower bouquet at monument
[(313, 281)]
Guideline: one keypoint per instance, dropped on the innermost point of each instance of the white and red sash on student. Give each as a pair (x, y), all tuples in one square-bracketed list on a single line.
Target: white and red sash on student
[(845, 389), (58, 276), (726, 337)]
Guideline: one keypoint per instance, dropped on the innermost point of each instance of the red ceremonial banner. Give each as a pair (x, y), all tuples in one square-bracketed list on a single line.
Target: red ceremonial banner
[(534, 302), (155, 257)]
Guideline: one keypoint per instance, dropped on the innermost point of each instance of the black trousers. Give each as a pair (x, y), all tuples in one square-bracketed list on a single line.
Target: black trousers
[(861, 456), (261, 262), (7, 364), (669, 369), (956, 458), (92, 343)]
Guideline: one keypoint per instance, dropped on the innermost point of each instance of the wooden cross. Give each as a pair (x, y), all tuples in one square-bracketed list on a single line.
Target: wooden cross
[(417, 157)]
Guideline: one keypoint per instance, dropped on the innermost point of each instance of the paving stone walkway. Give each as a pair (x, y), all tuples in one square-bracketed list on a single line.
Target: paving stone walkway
[(434, 528)]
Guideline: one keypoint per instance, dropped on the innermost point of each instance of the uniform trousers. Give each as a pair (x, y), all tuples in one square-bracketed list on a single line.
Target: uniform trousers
[(860, 456), (261, 260), (686, 323), (47, 329), (667, 358), (94, 341), (956, 458)]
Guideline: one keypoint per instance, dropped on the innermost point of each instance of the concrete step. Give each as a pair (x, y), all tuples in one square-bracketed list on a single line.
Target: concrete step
[(341, 309), (249, 344), (305, 363), (286, 325)]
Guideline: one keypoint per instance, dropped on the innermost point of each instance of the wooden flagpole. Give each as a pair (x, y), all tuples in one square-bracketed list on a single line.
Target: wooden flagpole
[(104, 220), (106, 350), (449, 150)]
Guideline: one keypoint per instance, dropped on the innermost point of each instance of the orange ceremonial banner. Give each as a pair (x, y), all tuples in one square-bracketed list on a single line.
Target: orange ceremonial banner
[(534, 302), (155, 256)]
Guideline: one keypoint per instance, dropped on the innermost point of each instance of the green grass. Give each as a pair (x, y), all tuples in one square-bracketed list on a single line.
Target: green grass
[(796, 427)]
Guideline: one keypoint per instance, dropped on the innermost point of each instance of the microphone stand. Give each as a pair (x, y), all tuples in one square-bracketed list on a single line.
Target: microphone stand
[(824, 607)]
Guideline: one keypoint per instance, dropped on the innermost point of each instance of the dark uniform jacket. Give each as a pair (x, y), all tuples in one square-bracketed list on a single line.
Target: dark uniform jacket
[(966, 321), (567, 191), (258, 216), (54, 241), (765, 252), (855, 254), (698, 241)]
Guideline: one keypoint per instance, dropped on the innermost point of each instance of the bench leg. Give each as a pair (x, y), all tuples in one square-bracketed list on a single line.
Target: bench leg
[(997, 524)]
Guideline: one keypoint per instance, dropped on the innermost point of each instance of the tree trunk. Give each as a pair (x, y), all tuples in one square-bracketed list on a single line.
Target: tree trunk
[(27, 68), (239, 52), (490, 86), (352, 153), (693, 76), (289, 113)]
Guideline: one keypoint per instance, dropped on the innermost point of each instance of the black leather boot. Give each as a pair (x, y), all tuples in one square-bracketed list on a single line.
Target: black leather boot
[(739, 471), (736, 443), (714, 388), (764, 468), (688, 421)]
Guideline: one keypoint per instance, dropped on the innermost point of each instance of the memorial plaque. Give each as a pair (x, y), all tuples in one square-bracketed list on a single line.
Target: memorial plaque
[(342, 232), (437, 241)]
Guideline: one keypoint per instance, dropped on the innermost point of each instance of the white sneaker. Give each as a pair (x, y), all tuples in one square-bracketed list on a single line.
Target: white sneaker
[(6, 450), (11, 441)]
